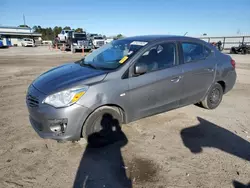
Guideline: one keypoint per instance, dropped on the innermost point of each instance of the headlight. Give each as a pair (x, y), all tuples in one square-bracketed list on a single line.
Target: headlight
[(66, 97)]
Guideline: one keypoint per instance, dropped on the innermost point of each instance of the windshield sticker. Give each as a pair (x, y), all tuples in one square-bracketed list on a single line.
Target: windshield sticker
[(139, 43), (123, 59)]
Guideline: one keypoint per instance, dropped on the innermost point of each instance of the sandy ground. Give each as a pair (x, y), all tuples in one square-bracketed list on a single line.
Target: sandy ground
[(187, 147)]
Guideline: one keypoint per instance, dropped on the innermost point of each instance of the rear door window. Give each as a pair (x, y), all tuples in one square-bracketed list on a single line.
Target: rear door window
[(194, 52)]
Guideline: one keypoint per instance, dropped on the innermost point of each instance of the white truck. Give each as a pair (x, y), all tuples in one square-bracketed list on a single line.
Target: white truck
[(108, 40), (78, 41), (63, 36), (27, 42), (98, 41)]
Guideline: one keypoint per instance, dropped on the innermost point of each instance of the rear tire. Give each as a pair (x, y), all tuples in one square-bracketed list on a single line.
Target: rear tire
[(244, 51), (214, 97), (101, 126), (232, 51)]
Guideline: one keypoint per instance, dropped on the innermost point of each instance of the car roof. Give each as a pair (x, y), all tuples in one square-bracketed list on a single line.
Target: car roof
[(152, 38)]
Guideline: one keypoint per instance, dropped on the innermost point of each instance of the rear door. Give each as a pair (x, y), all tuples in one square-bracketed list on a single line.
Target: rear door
[(199, 65), (160, 88)]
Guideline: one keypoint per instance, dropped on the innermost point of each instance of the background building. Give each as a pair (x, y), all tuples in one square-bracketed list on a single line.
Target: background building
[(12, 36)]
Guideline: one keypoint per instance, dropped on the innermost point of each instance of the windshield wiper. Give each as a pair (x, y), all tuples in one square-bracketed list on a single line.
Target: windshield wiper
[(105, 68)]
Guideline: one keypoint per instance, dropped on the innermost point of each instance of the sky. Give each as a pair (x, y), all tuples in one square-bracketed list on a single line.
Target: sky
[(133, 17)]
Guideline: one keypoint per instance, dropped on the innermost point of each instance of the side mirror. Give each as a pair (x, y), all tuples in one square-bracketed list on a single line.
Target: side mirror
[(141, 68)]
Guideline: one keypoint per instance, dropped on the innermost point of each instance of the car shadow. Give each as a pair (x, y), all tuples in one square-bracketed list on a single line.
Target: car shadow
[(237, 184), (102, 163), (207, 134)]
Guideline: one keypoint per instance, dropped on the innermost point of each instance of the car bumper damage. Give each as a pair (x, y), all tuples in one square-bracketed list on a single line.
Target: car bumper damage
[(55, 123)]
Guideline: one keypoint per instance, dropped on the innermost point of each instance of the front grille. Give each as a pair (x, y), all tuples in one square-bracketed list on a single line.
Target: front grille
[(80, 43), (32, 101), (100, 43), (85, 43)]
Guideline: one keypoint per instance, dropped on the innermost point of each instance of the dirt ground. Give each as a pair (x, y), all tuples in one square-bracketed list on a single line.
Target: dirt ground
[(187, 147)]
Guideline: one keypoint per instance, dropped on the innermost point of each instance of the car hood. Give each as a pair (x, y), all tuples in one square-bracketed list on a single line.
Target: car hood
[(67, 76)]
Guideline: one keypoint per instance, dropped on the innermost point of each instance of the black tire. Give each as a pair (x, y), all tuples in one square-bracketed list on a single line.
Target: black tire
[(244, 51), (214, 97), (232, 51), (101, 126)]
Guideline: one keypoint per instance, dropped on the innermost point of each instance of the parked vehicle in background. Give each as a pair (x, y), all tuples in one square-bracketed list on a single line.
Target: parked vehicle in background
[(27, 42), (78, 41), (5, 42), (47, 42), (1, 42), (63, 36), (241, 49), (108, 40), (126, 80), (98, 41)]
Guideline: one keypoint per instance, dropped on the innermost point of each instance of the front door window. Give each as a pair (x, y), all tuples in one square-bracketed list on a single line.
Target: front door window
[(159, 57)]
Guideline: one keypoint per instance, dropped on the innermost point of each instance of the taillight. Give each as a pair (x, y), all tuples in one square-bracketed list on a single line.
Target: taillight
[(233, 63)]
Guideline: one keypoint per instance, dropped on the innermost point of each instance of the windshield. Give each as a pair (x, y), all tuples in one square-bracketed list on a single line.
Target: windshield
[(27, 39), (112, 55), (78, 35), (98, 38)]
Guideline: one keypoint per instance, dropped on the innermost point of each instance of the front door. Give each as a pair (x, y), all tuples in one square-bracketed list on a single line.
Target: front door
[(198, 71), (160, 88)]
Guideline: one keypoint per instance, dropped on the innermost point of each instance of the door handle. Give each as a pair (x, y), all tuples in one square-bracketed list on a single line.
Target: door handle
[(176, 79), (210, 69)]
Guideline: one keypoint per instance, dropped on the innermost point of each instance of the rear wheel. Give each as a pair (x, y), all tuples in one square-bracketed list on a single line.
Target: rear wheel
[(214, 97), (102, 125), (232, 51), (244, 51)]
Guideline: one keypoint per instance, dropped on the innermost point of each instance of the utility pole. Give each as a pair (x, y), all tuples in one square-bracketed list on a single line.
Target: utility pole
[(24, 20)]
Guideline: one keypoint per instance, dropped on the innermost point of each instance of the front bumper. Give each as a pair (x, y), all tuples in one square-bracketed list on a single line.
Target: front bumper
[(81, 47), (46, 119), (98, 45)]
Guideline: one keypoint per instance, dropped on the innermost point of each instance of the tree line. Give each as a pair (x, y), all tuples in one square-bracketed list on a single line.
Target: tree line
[(49, 33)]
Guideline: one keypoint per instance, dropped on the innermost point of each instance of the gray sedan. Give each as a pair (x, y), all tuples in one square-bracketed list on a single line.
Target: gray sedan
[(124, 81)]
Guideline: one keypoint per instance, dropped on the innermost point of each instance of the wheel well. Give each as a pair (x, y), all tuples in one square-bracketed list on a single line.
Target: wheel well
[(223, 85), (112, 105)]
